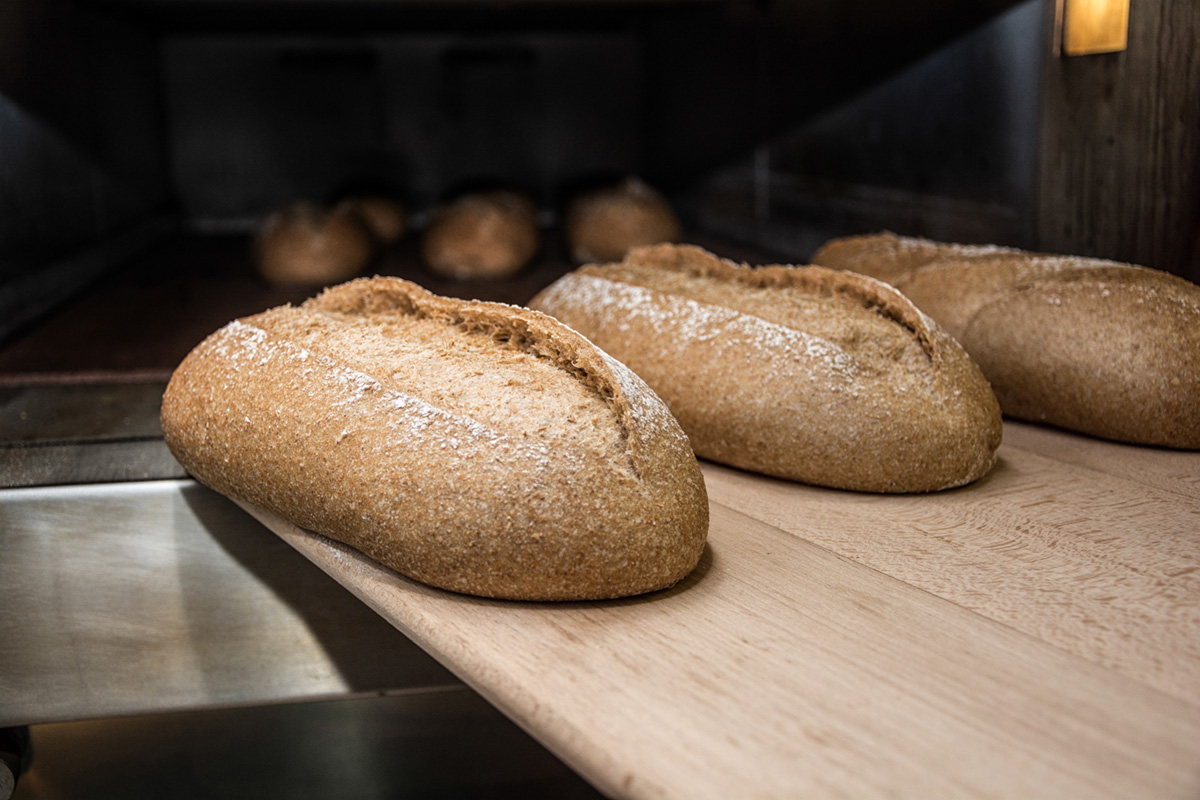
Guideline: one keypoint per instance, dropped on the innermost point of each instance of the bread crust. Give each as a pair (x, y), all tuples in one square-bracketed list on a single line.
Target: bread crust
[(802, 373), (477, 447), (1099, 347)]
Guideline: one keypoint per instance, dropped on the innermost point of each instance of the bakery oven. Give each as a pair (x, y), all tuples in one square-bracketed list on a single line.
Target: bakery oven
[(156, 640)]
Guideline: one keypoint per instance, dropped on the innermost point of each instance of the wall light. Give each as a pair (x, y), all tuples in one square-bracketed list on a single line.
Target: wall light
[(1085, 27)]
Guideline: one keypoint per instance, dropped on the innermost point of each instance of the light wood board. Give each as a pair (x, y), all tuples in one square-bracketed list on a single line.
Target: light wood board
[(1034, 635)]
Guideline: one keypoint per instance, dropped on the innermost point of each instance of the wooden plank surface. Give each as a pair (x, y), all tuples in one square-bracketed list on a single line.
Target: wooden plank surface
[(1103, 567), (1034, 635)]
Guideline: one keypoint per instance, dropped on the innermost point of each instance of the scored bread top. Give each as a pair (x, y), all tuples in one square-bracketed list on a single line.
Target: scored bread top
[(1097, 346), (467, 358), (954, 288), (889, 257), (477, 447), (805, 373), (886, 329)]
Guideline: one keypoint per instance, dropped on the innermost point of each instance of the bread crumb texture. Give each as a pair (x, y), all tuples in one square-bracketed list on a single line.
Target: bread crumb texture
[(802, 373), (1095, 346), (477, 447)]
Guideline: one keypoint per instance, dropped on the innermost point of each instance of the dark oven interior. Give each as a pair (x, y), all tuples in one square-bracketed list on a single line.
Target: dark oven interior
[(143, 141)]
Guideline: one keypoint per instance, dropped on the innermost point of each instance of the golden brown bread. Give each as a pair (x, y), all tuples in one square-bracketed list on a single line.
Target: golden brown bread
[(473, 446), (304, 244), (482, 235), (603, 224), (1095, 346), (799, 372)]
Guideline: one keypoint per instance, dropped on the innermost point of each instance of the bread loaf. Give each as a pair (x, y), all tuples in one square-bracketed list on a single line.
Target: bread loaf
[(305, 245), (476, 447), (803, 373), (482, 235), (1100, 347), (605, 223)]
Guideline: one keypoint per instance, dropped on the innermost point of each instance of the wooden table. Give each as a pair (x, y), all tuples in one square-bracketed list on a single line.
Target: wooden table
[(1036, 634)]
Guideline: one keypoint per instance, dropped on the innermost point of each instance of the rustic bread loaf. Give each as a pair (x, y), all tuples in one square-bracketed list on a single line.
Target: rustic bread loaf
[(803, 373), (482, 235), (477, 447), (1103, 348), (605, 223), (304, 244)]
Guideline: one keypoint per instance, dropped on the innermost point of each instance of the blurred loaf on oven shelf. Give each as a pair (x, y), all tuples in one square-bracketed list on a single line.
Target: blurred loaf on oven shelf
[(1099, 347), (604, 223), (477, 447), (803, 373), (304, 244), (489, 235)]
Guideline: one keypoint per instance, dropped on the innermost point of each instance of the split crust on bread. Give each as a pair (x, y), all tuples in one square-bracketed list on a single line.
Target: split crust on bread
[(1095, 346), (802, 373), (477, 447)]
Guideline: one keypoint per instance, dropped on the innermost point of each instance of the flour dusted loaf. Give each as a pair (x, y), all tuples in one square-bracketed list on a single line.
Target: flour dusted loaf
[(803, 373), (1100, 347), (477, 447)]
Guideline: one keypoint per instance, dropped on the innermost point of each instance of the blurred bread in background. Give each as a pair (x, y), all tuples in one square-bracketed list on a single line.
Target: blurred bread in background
[(306, 244), (602, 224), (489, 234)]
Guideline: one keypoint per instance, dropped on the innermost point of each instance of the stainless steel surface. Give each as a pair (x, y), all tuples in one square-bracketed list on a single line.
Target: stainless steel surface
[(136, 597), (440, 743), (34, 413), (59, 463), (76, 431)]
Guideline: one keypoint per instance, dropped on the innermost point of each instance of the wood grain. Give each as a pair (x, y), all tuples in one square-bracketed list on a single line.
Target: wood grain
[(1169, 470), (1100, 566), (982, 642)]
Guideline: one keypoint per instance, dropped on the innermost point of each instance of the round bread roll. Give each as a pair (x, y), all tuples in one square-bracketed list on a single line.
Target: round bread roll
[(482, 235), (386, 217), (304, 244), (602, 225)]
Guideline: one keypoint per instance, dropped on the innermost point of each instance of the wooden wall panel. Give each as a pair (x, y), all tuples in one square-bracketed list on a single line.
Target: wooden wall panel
[(1120, 145)]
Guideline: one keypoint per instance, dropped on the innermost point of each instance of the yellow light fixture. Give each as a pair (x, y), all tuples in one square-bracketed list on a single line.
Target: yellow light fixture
[(1086, 27)]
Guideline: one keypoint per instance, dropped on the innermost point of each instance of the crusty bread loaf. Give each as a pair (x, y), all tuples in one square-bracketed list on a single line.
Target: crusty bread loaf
[(477, 447), (604, 224), (304, 244), (803, 373), (1095, 346), (482, 235)]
